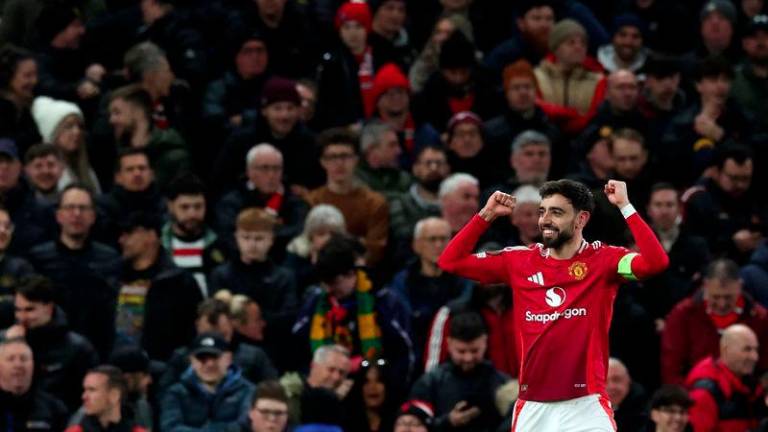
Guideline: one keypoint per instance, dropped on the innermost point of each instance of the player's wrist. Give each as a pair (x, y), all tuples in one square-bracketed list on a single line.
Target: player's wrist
[(627, 209), (487, 215)]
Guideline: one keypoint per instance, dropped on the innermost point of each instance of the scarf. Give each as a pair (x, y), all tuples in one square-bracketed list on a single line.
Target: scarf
[(327, 322), (365, 76)]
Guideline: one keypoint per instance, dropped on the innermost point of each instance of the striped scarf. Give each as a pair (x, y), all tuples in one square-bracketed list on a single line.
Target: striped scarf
[(327, 323)]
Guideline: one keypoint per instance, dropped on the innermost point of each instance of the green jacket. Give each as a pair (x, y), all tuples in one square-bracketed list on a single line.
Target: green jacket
[(387, 181), (168, 155)]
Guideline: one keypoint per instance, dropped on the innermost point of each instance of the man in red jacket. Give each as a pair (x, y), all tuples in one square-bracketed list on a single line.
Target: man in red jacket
[(723, 399), (693, 327)]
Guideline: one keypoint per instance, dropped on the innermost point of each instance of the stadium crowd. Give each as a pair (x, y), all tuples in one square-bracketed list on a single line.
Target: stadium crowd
[(226, 215)]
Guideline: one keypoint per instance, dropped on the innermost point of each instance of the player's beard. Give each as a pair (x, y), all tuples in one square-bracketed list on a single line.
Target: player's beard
[(562, 237)]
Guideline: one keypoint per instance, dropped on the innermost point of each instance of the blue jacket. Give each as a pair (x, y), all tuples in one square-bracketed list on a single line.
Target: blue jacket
[(188, 407), (755, 274)]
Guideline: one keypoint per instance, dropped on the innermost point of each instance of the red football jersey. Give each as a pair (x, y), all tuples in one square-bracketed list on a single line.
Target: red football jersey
[(562, 309)]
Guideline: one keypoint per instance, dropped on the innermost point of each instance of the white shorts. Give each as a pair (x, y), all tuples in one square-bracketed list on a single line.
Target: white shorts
[(591, 413)]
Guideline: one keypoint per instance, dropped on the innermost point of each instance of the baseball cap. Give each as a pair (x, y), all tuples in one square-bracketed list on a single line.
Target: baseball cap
[(8, 147), (723, 7), (757, 23), (209, 343), (130, 359)]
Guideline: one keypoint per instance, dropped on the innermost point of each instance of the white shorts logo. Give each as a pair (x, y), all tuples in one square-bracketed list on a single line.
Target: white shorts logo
[(555, 297)]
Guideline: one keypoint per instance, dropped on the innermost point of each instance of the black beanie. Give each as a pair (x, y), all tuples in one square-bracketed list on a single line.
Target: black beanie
[(457, 52), (54, 18)]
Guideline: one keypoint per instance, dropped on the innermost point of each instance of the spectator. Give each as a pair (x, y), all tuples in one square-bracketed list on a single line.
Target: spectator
[(344, 309), (364, 210), (371, 400), (379, 168), (463, 390), (136, 367), (147, 65), (192, 244), (430, 168), (575, 104), (134, 191), (156, 300), (467, 149), (257, 276), (626, 51), (755, 274), (724, 209), (427, 61), (671, 26), (423, 286), (21, 404), (534, 22), (278, 125), (750, 78), (523, 229), (62, 357), (61, 123), (391, 103), (65, 71), (325, 386), (688, 146), (530, 159), (12, 268), (212, 394), (84, 272), (628, 398), (43, 168), (460, 84), (17, 87), (716, 32), (661, 97), (130, 114), (269, 409), (620, 108), (414, 416), (213, 316), (722, 394), (20, 20), (693, 326), (345, 75), (459, 197), (669, 409), (520, 114), (389, 37), (247, 318), (104, 397), (688, 255), (232, 100), (321, 223), (263, 189)]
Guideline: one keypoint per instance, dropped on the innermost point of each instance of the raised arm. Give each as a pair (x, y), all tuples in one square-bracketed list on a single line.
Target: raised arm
[(484, 267), (652, 258)]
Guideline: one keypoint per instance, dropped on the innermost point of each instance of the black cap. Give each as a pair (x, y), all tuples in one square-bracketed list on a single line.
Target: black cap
[(140, 219), (661, 66), (757, 23), (8, 147), (130, 359), (209, 343)]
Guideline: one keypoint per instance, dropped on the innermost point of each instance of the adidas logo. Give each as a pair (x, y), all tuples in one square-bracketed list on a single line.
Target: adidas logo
[(537, 278)]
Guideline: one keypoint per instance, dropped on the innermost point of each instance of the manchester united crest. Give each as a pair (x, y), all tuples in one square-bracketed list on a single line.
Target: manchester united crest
[(578, 270)]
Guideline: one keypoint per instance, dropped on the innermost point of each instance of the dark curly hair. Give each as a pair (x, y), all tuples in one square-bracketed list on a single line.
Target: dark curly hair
[(10, 57), (580, 196)]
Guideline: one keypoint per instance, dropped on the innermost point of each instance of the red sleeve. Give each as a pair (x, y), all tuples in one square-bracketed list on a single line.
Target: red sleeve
[(652, 258), (74, 428), (703, 414), (437, 346), (457, 258), (674, 345)]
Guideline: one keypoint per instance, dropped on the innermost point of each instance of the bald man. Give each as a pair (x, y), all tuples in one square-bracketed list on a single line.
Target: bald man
[(724, 397), (628, 398)]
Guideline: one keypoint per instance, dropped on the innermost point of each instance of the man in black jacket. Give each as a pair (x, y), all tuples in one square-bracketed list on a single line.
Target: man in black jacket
[(11, 269), (84, 272), (462, 391), (22, 405), (62, 357), (156, 301)]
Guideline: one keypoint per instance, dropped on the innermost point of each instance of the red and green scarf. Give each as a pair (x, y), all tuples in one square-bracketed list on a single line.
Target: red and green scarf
[(327, 326)]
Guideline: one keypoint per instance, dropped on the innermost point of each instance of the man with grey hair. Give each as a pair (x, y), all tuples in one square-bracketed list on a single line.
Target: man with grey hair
[(459, 197), (263, 188), (422, 284), (148, 65), (530, 159), (326, 386), (379, 167)]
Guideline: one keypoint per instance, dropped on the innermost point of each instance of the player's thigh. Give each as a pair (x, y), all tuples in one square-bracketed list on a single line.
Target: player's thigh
[(531, 416), (589, 414)]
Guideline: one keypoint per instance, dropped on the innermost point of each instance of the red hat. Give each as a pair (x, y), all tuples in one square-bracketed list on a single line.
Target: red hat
[(354, 11), (388, 77), (278, 89)]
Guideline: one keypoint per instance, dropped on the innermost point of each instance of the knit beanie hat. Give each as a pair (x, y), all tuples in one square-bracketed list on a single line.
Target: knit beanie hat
[(376, 4), (464, 117), (518, 69), (564, 30), (48, 113), (421, 410), (54, 18), (279, 89), (388, 77), (457, 52), (354, 11), (723, 7)]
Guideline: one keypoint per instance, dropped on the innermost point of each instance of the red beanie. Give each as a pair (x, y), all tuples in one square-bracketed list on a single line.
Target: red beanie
[(388, 77), (354, 11)]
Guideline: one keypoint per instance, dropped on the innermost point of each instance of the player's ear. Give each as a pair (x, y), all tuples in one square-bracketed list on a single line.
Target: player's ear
[(582, 218)]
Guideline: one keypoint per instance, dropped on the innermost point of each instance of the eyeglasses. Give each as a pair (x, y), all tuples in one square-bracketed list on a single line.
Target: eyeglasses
[(338, 157), (75, 207), (272, 413)]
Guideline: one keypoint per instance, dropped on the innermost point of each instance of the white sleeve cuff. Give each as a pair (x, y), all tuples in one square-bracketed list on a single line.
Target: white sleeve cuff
[(628, 210)]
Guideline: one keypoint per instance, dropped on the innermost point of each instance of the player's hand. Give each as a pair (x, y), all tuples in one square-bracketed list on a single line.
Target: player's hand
[(616, 191), (462, 414), (499, 204)]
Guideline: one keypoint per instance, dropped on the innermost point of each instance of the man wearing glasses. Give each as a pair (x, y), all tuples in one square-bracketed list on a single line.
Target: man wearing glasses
[(269, 410)]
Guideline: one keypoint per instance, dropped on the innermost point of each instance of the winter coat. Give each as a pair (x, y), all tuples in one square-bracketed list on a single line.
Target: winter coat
[(11, 270), (35, 410), (755, 274), (33, 223), (168, 155), (18, 125), (113, 207)]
